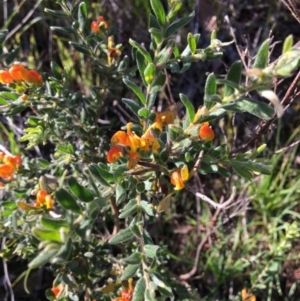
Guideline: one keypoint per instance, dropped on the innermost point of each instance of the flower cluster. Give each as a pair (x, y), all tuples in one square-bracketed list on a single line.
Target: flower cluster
[(44, 200), (8, 167), (96, 25), (128, 143), (19, 74)]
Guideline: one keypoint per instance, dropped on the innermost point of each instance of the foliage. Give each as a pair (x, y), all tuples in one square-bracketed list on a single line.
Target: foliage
[(88, 210)]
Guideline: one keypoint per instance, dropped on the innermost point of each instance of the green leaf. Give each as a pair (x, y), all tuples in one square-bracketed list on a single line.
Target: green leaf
[(212, 115), (158, 83), (139, 290), (173, 27), (63, 30), (120, 194), (141, 50), (164, 55), (132, 105), (192, 42), (56, 71), (153, 22), (241, 170), (175, 7), (136, 90), (209, 90), (131, 211), (151, 250), (64, 253), (83, 194), (96, 173), (233, 75), (121, 237), (257, 108), (262, 56), (134, 258), (159, 11), (288, 43), (147, 208), (142, 65), (46, 234), (81, 48), (224, 172), (53, 223), (105, 172), (67, 201), (130, 271), (56, 13), (82, 15), (43, 257), (3, 34), (156, 34), (190, 111)]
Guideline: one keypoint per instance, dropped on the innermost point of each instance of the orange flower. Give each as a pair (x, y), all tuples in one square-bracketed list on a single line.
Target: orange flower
[(179, 177), (127, 293), (206, 132), (44, 200), (56, 290), (246, 296), (14, 161), (133, 159), (119, 137), (114, 154), (5, 77), (94, 27), (162, 119), (18, 72), (6, 170), (33, 77)]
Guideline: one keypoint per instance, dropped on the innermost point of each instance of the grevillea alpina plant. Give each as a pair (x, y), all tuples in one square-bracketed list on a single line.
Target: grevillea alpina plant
[(86, 212)]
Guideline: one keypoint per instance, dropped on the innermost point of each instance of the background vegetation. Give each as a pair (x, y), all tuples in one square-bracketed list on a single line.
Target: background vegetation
[(208, 253)]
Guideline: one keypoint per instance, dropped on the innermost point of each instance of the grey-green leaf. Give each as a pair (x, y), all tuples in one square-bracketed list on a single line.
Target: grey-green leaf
[(151, 250), (262, 56), (130, 271), (190, 111), (140, 287), (82, 15), (233, 75), (135, 89), (173, 27), (159, 11), (122, 236), (209, 90)]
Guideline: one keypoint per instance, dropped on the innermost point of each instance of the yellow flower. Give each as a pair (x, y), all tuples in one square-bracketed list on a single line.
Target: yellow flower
[(179, 177), (148, 142)]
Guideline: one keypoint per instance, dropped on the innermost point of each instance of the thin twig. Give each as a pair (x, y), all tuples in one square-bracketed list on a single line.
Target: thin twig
[(208, 233), (6, 274), (265, 126), (287, 147), (25, 19)]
